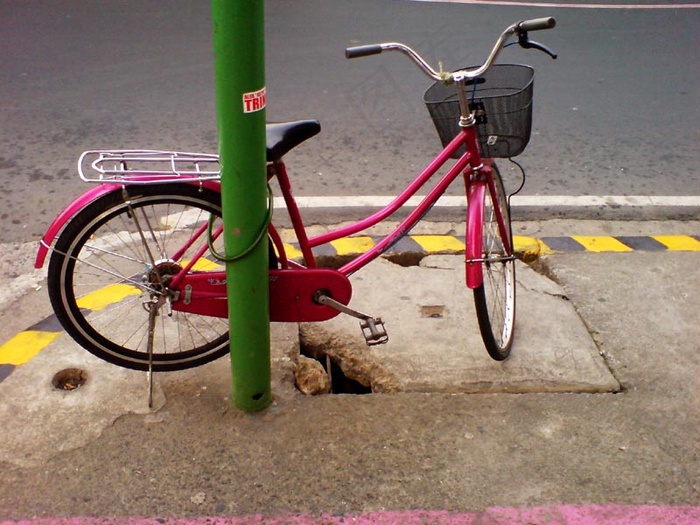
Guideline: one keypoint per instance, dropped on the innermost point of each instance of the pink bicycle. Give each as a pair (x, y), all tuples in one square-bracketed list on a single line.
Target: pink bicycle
[(135, 277)]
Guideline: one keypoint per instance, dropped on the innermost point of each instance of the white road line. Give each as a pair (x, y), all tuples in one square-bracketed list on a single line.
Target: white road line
[(541, 201), (567, 5)]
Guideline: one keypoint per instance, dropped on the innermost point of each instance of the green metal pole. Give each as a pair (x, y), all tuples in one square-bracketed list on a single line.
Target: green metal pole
[(239, 66)]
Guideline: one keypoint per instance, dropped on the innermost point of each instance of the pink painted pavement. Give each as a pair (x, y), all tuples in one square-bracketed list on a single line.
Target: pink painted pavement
[(555, 515)]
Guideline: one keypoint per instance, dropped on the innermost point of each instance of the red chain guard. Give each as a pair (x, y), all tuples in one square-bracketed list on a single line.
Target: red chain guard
[(291, 294)]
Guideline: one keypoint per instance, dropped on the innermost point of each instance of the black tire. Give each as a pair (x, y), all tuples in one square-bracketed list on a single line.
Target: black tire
[(495, 298), (100, 276)]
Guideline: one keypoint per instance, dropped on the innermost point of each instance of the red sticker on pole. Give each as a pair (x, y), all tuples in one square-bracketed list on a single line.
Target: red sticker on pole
[(254, 101)]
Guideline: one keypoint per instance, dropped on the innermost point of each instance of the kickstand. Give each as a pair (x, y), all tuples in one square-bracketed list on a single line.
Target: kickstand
[(152, 313)]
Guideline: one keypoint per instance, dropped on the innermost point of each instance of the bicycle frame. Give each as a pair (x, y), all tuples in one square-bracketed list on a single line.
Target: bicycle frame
[(293, 286), (183, 277), (468, 162)]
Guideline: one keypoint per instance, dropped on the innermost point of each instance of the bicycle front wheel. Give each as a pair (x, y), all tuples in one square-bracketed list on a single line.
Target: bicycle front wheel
[(495, 298), (113, 262)]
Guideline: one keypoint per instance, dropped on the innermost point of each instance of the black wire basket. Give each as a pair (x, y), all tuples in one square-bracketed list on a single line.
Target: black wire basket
[(501, 101)]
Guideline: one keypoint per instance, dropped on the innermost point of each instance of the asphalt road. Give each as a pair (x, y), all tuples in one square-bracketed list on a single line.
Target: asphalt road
[(616, 114)]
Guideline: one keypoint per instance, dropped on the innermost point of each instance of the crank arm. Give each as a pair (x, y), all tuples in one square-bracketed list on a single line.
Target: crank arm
[(372, 327)]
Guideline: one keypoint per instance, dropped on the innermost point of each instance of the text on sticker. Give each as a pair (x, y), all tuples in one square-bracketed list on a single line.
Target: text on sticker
[(254, 101)]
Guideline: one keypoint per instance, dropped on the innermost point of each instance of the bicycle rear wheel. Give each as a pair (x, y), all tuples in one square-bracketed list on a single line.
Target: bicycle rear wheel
[(495, 298), (114, 259)]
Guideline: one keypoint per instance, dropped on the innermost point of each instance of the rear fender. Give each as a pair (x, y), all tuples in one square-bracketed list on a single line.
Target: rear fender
[(66, 215), (81, 202)]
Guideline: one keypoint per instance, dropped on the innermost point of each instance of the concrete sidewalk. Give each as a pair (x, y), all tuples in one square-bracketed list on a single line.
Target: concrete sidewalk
[(597, 405), (434, 342)]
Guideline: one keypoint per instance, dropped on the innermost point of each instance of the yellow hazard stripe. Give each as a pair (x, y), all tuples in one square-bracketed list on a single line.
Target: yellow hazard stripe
[(204, 265), (438, 243), (103, 297), (594, 243), (678, 242), (292, 251), (25, 345), (352, 245), (530, 247)]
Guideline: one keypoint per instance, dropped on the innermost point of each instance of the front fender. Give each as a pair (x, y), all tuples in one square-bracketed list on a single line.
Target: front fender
[(81, 202), (475, 220)]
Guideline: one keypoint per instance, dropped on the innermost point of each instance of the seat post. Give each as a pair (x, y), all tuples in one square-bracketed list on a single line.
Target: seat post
[(280, 170)]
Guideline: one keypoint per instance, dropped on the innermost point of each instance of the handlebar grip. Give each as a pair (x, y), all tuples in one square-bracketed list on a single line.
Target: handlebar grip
[(537, 24), (363, 51)]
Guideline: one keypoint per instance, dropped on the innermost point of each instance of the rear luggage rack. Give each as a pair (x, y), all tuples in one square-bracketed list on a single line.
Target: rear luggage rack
[(143, 166)]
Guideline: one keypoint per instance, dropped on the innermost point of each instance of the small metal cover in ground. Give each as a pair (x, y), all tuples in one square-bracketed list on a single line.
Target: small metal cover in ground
[(69, 379)]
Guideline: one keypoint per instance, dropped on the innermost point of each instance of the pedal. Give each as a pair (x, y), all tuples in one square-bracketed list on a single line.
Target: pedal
[(372, 327), (374, 331)]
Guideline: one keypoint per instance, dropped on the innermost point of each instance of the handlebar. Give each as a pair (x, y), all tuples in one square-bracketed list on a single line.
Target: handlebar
[(520, 28), (537, 24), (363, 51)]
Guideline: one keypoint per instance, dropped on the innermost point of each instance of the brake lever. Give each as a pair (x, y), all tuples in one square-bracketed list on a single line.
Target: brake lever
[(541, 47), (525, 42)]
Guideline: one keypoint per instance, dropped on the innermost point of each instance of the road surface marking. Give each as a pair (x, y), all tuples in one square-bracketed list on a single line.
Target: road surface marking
[(678, 242), (594, 243), (439, 243), (25, 345), (530, 247), (352, 245), (100, 299)]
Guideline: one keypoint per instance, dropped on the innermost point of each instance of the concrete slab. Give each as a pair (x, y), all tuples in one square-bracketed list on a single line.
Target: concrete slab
[(434, 341), (38, 421)]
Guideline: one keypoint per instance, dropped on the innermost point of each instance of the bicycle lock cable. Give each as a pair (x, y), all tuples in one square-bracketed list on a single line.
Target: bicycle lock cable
[(258, 238)]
